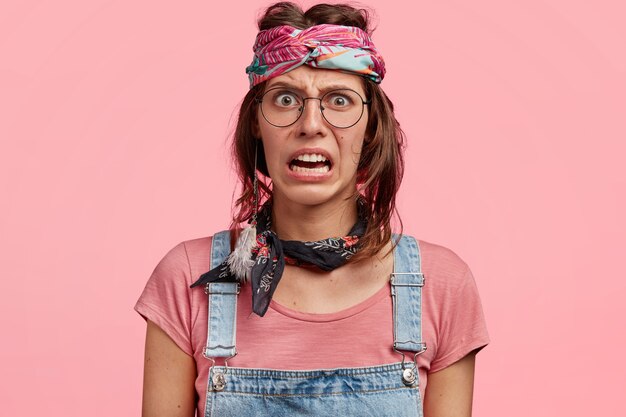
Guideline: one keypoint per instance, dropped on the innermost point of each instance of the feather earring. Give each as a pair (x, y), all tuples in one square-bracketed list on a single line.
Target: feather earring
[(240, 260)]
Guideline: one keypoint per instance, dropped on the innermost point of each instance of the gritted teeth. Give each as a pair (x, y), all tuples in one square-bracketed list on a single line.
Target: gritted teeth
[(310, 163), (321, 169), (311, 160), (311, 157)]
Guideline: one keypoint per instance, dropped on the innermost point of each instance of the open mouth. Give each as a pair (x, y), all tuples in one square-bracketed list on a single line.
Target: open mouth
[(310, 163)]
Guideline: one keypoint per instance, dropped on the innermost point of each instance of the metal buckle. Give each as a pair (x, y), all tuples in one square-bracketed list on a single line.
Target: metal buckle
[(394, 283), (218, 380), (409, 375), (206, 290)]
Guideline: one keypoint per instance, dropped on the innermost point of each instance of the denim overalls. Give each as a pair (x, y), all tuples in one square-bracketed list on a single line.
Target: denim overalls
[(383, 390)]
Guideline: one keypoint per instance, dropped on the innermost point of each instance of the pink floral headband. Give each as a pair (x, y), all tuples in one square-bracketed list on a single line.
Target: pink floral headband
[(283, 48)]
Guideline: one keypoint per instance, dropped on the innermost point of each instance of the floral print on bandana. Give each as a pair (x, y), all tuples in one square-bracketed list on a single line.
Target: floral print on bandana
[(272, 254), (283, 48)]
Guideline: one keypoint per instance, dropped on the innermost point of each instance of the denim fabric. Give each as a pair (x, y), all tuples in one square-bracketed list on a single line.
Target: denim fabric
[(222, 304), (406, 289), (384, 390), (372, 391), (222, 327)]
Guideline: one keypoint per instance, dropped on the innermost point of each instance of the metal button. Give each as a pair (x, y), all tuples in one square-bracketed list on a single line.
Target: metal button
[(408, 376), (219, 381)]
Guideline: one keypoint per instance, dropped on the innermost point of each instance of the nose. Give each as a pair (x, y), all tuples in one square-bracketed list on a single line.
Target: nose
[(311, 122)]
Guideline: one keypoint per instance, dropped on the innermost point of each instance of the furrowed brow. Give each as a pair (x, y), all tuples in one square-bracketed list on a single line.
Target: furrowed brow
[(323, 89)]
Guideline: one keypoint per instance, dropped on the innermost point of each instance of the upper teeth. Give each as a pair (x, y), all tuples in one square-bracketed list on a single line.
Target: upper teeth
[(312, 157)]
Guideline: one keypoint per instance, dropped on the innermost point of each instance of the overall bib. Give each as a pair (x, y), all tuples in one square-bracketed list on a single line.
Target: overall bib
[(383, 390)]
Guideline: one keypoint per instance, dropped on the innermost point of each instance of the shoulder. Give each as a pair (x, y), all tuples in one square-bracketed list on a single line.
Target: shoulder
[(454, 322), (197, 247), (441, 259), (184, 260), (442, 267), (194, 255), (167, 296), (167, 299)]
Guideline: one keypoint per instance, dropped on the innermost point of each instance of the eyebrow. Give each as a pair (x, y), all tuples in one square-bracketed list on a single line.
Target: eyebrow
[(327, 87)]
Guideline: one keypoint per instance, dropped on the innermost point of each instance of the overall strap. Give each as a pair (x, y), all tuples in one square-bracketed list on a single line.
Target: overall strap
[(222, 305), (407, 281)]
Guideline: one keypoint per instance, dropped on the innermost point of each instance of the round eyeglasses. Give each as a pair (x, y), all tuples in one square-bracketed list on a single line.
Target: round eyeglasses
[(341, 108)]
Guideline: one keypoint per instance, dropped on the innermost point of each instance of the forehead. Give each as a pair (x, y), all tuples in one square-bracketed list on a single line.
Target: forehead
[(313, 80)]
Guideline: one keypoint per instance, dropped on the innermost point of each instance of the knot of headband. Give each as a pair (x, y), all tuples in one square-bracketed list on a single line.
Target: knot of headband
[(284, 48)]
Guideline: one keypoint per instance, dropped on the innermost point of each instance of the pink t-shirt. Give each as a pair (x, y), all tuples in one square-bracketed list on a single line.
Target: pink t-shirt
[(362, 335)]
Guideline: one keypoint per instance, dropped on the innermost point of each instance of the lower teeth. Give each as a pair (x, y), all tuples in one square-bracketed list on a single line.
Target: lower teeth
[(296, 168)]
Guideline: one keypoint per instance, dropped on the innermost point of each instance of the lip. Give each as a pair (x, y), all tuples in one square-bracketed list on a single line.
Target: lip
[(310, 176)]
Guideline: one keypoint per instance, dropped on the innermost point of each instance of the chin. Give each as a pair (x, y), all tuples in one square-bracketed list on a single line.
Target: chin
[(312, 195)]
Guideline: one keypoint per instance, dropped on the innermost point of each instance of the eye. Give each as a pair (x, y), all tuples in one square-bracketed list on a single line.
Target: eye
[(339, 100), (285, 99)]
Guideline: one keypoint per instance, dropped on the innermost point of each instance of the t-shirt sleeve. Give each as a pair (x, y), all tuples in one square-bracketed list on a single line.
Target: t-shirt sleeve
[(463, 328), (166, 298)]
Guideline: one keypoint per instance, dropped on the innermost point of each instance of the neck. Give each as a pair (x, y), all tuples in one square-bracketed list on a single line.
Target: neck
[(292, 221)]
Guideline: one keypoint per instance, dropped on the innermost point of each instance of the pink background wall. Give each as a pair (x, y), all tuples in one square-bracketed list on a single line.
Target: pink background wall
[(113, 124)]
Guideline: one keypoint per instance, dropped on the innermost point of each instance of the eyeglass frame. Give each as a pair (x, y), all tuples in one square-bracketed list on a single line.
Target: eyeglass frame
[(259, 100)]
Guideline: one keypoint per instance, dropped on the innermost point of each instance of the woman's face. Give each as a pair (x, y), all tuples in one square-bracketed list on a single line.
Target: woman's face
[(311, 162)]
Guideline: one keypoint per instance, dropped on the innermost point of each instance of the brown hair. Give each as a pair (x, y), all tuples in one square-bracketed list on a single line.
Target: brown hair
[(381, 166)]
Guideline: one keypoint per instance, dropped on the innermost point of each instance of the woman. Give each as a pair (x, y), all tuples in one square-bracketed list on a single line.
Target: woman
[(296, 316)]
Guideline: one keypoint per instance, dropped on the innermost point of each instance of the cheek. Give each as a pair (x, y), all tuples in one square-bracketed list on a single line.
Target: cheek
[(351, 151), (270, 151), (271, 148)]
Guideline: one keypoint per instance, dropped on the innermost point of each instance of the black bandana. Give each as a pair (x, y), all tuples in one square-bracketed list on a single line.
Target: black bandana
[(271, 254)]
